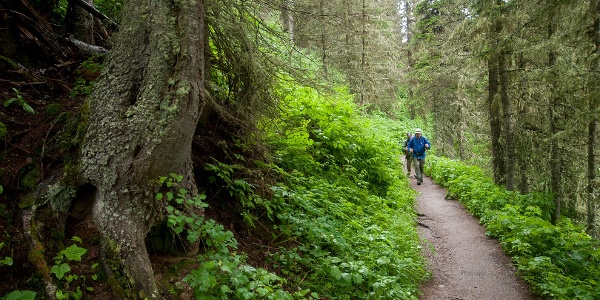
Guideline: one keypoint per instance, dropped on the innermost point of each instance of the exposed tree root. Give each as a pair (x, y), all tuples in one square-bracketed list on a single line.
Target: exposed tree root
[(36, 249)]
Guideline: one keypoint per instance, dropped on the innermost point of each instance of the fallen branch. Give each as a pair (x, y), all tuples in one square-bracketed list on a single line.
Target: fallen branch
[(87, 48), (92, 10)]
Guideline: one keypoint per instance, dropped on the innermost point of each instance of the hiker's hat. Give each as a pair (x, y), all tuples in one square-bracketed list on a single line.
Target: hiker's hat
[(418, 130)]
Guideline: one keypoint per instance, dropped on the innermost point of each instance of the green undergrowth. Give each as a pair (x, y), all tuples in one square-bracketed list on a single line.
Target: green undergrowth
[(223, 272), (559, 261), (342, 213), (344, 203)]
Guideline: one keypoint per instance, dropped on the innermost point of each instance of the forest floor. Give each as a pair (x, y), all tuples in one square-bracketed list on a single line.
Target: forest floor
[(465, 263)]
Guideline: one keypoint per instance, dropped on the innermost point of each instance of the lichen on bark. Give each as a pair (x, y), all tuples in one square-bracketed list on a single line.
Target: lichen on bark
[(143, 114)]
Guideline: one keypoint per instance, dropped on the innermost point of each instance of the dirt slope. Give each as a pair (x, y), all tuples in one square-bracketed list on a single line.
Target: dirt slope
[(465, 263)]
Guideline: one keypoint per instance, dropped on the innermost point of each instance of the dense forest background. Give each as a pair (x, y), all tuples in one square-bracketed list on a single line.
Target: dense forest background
[(510, 86), (275, 92)]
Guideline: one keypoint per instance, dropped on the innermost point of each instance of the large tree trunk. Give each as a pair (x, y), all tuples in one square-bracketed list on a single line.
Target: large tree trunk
[(592, 124), (494, 101), (509, 143), (495, 125), (408, 7), (142, 117), (555, 119), (287, 17)]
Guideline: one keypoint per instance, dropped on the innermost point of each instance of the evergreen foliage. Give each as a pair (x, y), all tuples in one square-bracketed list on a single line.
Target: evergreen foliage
[(360, 39), (511, 86)]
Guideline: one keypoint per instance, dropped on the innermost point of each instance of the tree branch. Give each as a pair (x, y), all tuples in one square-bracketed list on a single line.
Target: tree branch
[(87, 48), (92, 10)]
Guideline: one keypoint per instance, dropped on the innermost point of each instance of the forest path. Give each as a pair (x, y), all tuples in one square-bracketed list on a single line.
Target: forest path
[(466, 264)]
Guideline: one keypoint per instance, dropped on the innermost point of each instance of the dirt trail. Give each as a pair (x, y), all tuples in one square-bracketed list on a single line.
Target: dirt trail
[(465, 263)]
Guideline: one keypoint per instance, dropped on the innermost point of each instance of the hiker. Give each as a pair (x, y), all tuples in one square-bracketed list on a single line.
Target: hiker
[(417, 146), (407, 155)]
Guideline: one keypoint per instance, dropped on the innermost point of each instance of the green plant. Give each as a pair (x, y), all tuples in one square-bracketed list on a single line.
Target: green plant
[(560, 261), (82, 87), (88, 72), (8, 61), (18, 99), (14, 295), (240, 189), (223, 273), (346, 223), (6, 261), (62, 271), (60, 10), (20, 295)]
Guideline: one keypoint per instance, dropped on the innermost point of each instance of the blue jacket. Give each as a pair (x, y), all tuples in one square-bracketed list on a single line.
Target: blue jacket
[(418, 146)]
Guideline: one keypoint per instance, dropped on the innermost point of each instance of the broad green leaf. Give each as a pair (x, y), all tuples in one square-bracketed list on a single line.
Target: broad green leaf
[(28, 108), (60, 270), (7, 261), (74, 252), (20, 295)]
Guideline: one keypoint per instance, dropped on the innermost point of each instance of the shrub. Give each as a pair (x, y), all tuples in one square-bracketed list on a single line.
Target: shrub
[(559, 261)]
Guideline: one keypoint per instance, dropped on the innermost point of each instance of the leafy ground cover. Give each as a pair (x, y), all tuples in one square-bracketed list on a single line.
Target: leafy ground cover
[(344, 201), (560, 261), (338, 223)]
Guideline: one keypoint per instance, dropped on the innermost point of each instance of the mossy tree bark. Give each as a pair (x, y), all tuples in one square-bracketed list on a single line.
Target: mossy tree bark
[(142, 117), (594, 12), (555, 119), (495, 125)]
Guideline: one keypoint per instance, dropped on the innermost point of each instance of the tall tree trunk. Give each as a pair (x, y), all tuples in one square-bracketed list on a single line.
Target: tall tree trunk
[(363, 57), (509, 144), (323, 37), (591, 168), (408, 10), (494, 99), (555, 118), (142, 116), (494, 115), (592, 125), (522, 160), (287, 18)]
